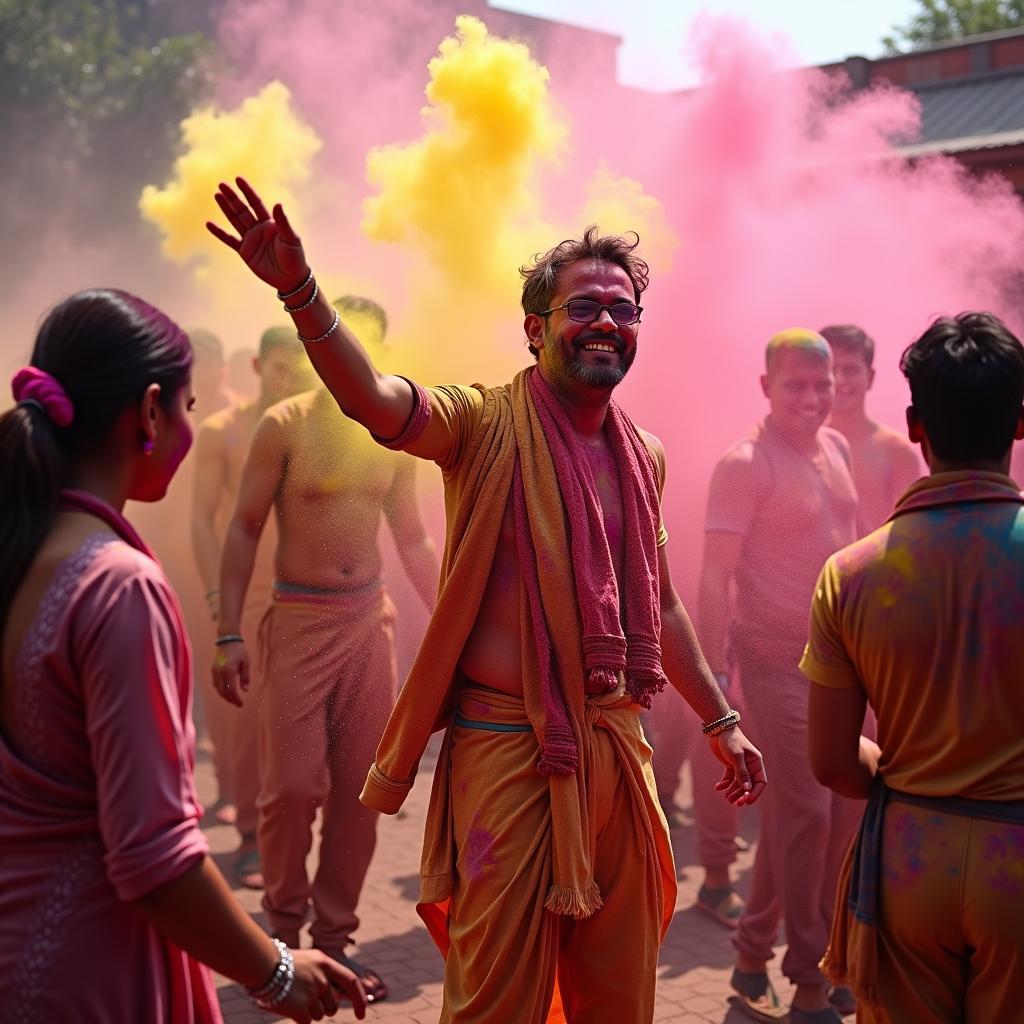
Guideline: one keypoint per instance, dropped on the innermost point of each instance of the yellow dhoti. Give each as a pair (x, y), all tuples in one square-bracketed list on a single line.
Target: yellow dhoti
[(504, 950)]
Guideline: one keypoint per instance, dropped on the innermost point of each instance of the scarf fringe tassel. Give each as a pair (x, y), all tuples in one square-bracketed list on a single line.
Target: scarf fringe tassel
[(573, 902), (642, 685), (559, 754), (603, 678)]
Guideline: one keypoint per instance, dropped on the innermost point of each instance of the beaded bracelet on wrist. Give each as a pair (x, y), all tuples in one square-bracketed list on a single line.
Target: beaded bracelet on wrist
[(295, 291), (719, 725), (309, 302), (278, 987), (330, 330)]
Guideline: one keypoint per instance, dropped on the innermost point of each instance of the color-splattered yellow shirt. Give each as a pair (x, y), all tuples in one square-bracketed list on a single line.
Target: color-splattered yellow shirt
[(926, 615)]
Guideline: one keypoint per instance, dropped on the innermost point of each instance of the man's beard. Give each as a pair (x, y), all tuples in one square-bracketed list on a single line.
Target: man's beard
[(599, 377)]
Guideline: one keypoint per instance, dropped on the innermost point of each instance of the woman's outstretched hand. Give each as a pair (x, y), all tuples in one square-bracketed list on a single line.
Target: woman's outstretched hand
[(267, 244), (320, 986)]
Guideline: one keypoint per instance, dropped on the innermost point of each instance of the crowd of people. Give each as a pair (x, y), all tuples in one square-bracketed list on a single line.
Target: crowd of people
[(859, 614)]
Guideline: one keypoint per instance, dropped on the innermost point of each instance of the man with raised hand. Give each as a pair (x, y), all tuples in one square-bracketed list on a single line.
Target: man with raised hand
[(327, 652), (222, 444), (884, 461), (545, 850), (780, 502)]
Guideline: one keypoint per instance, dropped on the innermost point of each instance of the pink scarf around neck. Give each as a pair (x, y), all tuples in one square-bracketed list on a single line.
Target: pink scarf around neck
[(616, 638)]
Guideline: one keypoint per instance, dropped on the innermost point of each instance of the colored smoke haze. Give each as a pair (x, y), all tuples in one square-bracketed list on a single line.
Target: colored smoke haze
[(764, 200), (263, 135), (795, 211), (467, 199)]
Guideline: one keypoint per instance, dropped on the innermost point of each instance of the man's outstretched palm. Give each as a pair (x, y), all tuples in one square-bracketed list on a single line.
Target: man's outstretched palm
[(267, 243)]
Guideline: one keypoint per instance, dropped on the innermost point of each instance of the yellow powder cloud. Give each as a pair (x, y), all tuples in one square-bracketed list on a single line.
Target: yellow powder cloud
[(465, 192), (263, 139), (618, 205)]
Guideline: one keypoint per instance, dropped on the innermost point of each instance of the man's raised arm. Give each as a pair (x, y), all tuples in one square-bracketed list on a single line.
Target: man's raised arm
[(271, 249)]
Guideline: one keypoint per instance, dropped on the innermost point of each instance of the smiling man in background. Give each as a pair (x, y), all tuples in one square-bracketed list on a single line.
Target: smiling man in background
[(884, 461), (780, 502)]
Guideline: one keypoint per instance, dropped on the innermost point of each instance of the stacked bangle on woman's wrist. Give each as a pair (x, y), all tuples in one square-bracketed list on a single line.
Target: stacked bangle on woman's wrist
[(280, 983), (229, 638), (727, 721)]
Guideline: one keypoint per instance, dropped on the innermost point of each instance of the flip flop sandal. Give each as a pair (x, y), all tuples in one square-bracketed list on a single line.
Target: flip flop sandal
[(376, 989), (842, 999), (724, 905), (756, 997), (246, 871)]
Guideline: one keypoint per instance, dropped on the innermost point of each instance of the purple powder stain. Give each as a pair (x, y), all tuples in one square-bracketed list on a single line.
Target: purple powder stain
[(1003, 854), (904, 848), (478, 853), (482, 708)]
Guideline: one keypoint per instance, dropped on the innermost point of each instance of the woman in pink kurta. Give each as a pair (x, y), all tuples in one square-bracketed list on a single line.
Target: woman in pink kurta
[(97, 802), (110, 908)]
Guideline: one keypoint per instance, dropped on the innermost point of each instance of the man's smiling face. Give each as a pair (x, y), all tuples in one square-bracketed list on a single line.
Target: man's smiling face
[(596, 354)]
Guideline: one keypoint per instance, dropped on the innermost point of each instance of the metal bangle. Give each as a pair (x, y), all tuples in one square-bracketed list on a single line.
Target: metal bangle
[(309, 302), (330, 330), (727, 721), (724, 727), (272, 982), (295, 291), (229, 638), (276, 991)]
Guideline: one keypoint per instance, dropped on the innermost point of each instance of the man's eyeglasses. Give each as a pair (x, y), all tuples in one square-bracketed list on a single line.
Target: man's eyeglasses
[(586, 311)]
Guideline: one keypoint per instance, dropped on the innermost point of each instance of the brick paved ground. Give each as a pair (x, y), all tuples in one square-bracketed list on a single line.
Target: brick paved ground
[(695, 960)]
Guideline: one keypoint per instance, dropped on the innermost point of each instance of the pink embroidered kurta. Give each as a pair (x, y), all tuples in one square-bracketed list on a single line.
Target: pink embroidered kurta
[(97, 800)]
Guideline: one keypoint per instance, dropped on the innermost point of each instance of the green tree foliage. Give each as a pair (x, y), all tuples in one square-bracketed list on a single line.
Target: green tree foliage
[(939, 21), (91, 95)]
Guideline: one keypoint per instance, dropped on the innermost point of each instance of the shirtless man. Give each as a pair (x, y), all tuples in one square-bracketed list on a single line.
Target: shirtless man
[(780, 502), (545, 850), (885, 463), (221, 446), (326, 644)]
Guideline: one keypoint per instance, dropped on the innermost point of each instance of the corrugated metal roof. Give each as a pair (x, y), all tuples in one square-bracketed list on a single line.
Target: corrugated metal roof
[(984, 112), (965, 143)]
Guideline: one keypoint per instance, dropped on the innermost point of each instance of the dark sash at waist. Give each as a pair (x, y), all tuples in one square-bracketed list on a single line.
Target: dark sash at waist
[(862, 899)]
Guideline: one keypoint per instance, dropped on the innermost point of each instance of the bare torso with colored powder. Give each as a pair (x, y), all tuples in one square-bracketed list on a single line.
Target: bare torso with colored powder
[(231, 431), (492, 656), (885, 464), (334, 485)]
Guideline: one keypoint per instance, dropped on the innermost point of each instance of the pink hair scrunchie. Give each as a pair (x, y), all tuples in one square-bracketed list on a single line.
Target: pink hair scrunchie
[(34, 385)]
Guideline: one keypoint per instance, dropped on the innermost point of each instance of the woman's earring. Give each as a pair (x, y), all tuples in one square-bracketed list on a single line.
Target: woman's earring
[(147, 447)]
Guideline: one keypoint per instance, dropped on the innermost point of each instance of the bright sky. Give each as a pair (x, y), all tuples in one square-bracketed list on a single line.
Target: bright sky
[(654, 31)]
